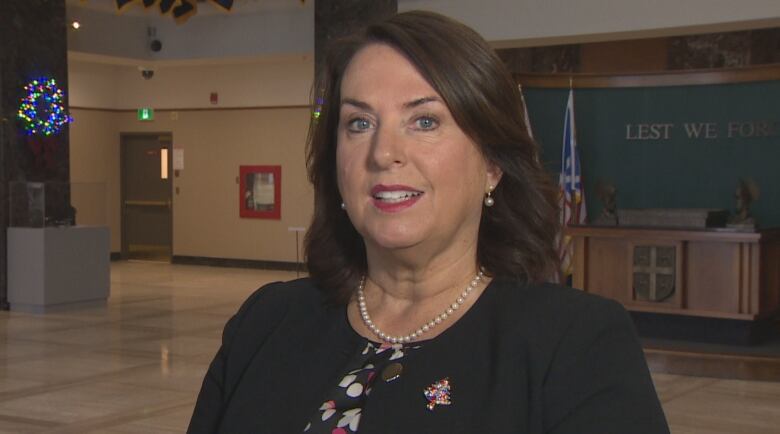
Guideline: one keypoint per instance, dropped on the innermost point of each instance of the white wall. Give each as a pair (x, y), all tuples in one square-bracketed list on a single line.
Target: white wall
[(106, 33), (274, 31), (270, 27), (254, 82), (92, 84), (532, 22)]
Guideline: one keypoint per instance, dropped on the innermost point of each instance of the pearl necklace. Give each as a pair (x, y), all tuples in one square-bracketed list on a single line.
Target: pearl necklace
[(413, 336)]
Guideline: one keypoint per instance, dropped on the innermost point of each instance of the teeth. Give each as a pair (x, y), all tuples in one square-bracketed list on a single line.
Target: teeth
[(396, 196)]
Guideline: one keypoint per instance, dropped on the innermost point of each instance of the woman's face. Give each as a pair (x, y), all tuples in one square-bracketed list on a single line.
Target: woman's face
[(407, 173)]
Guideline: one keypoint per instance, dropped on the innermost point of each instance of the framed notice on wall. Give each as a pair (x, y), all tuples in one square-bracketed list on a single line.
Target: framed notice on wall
[(260, 189)]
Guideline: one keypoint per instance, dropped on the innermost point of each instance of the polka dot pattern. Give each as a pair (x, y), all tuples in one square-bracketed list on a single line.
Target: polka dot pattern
[(341, 413)]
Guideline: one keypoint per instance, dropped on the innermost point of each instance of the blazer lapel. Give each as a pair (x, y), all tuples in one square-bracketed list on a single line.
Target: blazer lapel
[(283, 384)]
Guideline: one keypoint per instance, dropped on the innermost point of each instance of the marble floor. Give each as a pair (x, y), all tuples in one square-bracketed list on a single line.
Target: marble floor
[(135, 365)]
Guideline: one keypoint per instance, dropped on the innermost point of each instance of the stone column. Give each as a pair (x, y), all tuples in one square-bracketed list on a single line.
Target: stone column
[(335, 18), (33, 43)]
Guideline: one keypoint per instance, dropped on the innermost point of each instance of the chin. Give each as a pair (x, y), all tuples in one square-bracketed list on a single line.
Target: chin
[(394, 239), (394, 242)]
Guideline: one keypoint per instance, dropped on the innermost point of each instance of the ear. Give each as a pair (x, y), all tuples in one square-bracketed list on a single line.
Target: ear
[(494, 174)]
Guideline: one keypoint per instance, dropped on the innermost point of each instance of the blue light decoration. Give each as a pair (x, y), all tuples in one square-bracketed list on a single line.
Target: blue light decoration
[(41, 110)]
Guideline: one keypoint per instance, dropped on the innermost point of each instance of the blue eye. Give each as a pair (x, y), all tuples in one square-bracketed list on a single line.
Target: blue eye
[(359, 124), (426, 123)]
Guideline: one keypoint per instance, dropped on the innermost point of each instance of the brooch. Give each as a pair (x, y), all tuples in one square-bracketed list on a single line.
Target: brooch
[(438, 393)]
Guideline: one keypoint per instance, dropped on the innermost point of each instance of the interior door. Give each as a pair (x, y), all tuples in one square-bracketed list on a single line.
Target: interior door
[(146, 196)]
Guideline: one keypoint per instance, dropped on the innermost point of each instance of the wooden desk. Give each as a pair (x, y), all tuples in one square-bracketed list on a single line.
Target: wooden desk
[(726, 275)]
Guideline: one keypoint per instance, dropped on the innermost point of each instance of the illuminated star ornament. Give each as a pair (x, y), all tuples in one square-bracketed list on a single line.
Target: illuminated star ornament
[(438, 393), (41, 111)]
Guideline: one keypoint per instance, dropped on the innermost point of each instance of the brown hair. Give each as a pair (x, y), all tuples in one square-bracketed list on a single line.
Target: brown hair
[(516, 235)]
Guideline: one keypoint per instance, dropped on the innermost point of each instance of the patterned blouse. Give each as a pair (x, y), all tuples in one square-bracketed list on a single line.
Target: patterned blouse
[(340, 413)]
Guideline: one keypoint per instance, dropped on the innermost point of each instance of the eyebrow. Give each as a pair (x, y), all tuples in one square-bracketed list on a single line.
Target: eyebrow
[(420, 101), (359, 104), (408, 105)]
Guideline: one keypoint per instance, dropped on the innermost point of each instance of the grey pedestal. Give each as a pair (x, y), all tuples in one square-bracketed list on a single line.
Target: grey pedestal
[(57, 267)]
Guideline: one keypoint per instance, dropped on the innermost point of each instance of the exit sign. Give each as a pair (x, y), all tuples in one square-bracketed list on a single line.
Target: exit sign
[(145, 114)]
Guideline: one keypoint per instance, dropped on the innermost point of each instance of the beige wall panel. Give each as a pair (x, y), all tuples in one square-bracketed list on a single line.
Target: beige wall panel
[(94, 170), (205, 211), (283, 80), (216, 143)]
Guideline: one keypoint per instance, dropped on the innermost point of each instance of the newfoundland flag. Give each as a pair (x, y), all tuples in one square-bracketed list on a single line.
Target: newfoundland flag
[(572, 195)]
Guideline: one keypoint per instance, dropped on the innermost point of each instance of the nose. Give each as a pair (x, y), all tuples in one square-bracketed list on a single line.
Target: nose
[(387, 148)]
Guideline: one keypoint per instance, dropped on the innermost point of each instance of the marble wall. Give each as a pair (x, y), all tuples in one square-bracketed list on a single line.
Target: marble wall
[(542, 60), (34, 43), (765, 46), (714, 50), (725, 50)]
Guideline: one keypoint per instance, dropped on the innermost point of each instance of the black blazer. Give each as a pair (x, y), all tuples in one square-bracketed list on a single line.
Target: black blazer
[(523, 359)]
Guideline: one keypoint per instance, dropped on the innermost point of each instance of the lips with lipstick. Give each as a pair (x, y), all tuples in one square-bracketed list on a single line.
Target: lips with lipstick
[(394, 198)]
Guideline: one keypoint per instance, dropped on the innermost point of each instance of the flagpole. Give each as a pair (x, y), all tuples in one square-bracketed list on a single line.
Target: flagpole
[(571, 190), (575, 215), (526, 119)]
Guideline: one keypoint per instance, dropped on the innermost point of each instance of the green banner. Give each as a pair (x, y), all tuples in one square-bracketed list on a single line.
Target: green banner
[(669, 147)]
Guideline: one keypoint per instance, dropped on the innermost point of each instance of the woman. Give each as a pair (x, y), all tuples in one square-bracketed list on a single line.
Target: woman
[(432, 235)]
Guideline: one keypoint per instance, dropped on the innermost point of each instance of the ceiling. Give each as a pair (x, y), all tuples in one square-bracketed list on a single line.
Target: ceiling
[(255, 28), (240, 7)]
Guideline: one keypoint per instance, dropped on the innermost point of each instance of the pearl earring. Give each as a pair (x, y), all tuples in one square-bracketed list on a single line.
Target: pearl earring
[(343, 205), (489, 201)]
